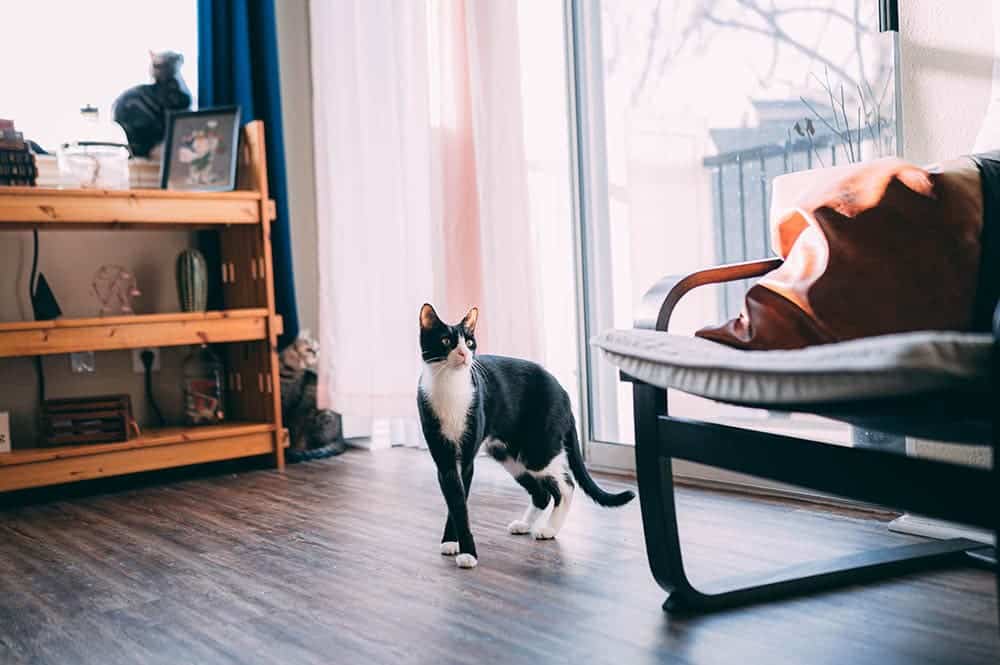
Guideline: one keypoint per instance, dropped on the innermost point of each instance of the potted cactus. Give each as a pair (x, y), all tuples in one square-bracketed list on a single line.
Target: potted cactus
[(192, 281)]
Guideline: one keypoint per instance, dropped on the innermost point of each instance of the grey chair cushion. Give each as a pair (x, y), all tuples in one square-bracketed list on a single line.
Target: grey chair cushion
[(870, 368)]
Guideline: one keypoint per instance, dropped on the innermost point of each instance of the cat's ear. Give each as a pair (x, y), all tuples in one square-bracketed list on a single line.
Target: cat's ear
[(469, 322), (428, 317)]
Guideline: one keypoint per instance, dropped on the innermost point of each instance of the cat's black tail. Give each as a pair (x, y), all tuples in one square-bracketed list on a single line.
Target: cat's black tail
[(587, 484)]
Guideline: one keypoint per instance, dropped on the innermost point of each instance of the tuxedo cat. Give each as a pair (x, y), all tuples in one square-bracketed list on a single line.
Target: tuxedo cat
[(515, 410)]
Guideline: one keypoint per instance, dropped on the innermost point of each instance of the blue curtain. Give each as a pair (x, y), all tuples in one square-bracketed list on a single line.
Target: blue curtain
[(238, 64)]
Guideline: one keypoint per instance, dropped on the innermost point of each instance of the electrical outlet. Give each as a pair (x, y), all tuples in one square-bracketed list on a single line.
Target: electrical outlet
[(83, 362), (137, 365)]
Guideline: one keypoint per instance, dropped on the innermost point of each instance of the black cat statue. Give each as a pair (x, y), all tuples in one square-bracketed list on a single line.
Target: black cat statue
[(142, 109)]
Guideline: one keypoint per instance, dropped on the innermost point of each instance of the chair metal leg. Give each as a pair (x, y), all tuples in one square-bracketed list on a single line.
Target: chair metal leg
[(995, 398), (996, 476), (659, 516)]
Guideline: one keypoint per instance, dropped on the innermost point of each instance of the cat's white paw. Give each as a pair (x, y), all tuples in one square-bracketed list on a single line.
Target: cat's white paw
[(466, 561), (518, 527), (544, 533), (449, 548)]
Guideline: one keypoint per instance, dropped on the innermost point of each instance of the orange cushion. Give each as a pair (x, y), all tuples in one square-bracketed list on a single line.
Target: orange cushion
[(887, 247)]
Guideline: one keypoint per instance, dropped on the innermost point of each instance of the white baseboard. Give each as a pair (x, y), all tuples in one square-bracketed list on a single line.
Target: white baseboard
[(917, 525)]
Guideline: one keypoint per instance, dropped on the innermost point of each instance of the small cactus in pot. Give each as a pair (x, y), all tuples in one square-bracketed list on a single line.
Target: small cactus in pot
[(192, 281)]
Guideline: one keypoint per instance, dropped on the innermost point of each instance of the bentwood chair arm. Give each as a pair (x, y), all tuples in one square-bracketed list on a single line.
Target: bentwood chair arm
[(659, 302)]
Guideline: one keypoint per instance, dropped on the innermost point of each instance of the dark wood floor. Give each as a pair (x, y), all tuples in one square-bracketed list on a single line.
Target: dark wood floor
[(337, 562)]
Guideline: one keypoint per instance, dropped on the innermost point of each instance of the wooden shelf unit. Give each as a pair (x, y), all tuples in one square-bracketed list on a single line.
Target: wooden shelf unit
[(248, 325)]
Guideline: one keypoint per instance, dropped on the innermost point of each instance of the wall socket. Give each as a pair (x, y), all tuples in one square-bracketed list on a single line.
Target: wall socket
[(137, 365), (83, 362)]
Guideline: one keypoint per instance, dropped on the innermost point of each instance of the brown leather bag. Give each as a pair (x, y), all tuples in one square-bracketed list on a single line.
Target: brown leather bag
[(888, 247)]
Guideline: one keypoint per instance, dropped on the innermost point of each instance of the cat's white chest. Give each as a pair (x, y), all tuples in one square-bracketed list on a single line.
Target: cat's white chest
[(449, 394)]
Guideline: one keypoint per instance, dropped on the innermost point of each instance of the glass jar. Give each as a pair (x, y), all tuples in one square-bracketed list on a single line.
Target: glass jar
[(203, 396), (97, 156)]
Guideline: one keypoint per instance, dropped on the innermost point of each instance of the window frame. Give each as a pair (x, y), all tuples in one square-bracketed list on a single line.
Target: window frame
[(588, 159)]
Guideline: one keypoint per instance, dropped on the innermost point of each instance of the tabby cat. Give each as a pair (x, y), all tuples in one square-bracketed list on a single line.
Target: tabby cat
[(314, 432), (514, 409), (142, 109)]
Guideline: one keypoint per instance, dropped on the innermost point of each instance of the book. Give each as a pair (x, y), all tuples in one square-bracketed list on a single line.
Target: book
[(12, 140), (17, 167), (16, 157), (18, 170)]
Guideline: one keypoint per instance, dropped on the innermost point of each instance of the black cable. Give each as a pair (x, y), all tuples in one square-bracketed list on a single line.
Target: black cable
[(34, 268), (39, 370), (147, 362)]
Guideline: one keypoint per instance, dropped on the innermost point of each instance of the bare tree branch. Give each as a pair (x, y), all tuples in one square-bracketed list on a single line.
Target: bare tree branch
[(827, 11), (654, 29), (762, 17), (777, 33)]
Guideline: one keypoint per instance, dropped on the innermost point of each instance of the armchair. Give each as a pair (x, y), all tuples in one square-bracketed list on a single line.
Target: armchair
[(958, 402)]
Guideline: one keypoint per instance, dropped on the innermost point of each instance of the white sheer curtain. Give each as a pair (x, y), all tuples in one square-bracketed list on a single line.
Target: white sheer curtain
[(422, 186)]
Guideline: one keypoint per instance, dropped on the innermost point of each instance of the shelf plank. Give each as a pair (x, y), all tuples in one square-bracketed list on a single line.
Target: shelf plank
[(155, 449), (36, 338), (151, 436), (42, 208)]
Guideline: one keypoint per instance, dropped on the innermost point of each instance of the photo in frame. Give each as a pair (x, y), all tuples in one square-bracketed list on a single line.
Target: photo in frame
[(200, 150)]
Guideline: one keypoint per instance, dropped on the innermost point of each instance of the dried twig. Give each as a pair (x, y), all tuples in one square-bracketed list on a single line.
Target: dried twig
[(871, 130), (829, 91), (847, 124), (869, 116), (859, 134), (821, 118)]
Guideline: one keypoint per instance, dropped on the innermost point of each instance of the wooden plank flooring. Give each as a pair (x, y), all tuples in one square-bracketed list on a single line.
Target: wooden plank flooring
[(336, 562)]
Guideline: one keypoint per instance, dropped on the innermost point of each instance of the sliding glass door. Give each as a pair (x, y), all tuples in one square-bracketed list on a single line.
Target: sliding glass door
[(684, 111)]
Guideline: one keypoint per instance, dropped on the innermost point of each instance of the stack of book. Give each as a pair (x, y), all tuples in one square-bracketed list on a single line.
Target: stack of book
[(17, 162)]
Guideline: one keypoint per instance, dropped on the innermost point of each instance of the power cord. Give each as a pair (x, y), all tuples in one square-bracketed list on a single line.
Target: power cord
[(39, 369), (34, 266), (147, 358)]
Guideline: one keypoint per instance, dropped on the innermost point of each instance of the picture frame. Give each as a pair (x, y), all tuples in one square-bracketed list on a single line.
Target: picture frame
[(201, 150)]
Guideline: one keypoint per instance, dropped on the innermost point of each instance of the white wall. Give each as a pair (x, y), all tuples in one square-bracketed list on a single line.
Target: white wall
[(946, 73), (296, 101), (949, 53)]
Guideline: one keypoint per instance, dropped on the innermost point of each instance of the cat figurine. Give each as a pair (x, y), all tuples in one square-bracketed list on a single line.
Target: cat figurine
[(142, 110), (313, 432), (517, 412)]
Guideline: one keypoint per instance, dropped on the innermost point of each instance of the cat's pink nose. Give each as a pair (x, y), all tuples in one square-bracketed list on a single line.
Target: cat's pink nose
[(461, 354)]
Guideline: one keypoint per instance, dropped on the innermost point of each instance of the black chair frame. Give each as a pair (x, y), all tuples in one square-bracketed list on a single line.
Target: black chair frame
[(961, 494)]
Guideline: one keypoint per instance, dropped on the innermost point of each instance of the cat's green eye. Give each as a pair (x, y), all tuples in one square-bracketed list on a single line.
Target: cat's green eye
[(446, 341), (471, 343)]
